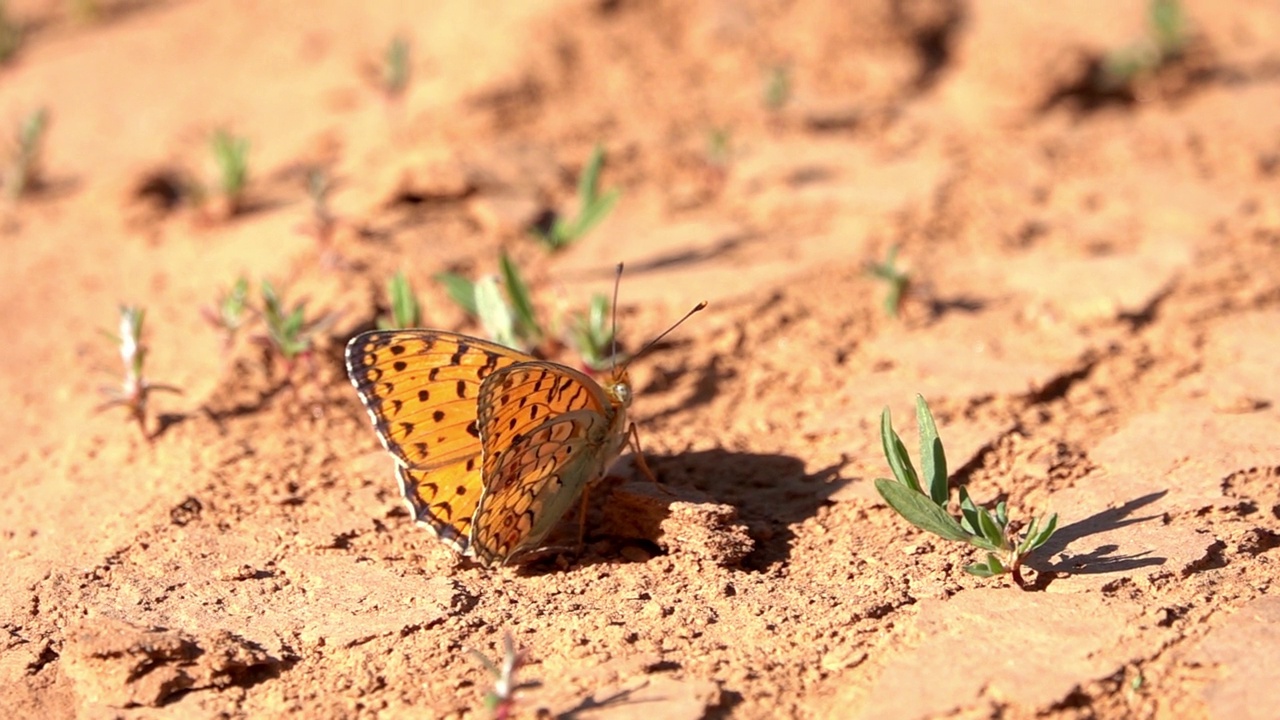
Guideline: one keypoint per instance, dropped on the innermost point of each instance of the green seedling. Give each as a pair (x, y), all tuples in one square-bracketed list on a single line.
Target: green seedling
[(593, 207), (718, 147), (896, 279), (289, 332), (503, 305), (394, 76), (10, 34), (405, 310), (231, 153), (777, 87), (591, 334), (925, 506), (85, 11), (24, 172), (1169, 35), (228, 314), (501, 700), (135, 391)]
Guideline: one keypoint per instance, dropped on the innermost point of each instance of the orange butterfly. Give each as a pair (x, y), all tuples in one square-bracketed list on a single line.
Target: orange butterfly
[(492, 446)]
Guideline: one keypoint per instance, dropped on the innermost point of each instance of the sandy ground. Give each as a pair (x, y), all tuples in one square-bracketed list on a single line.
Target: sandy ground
[(1095, 320)]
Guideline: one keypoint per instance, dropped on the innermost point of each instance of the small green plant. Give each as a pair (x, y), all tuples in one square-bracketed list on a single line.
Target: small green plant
[(1167, 25), (897, 280), (228, 314), (231, 154), (10, 34), (777, 87), (405, 310), (135, 390), (591, 334), (926, 506), (394, 75), (289, 332), (503, 305), (593, 207), (501, 700), (84, 11), (718, 147), (24, 172)]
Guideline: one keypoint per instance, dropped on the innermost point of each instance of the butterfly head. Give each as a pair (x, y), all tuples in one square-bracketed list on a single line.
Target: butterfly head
[(618, 388)]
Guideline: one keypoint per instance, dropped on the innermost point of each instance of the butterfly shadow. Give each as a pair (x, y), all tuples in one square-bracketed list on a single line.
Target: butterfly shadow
[(733, 508)]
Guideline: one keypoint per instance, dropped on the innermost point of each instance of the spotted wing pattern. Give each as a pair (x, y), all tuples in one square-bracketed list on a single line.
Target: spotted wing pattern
[(420, 388), (544, 428)]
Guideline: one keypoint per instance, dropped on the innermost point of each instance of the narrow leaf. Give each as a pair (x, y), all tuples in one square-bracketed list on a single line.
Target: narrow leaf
[(495, 314), (990, 529), (997, 567), (969, 513), (979, 569), (461, 290), (526, 323), (919, 510), (590, 215), (589, 183), (896, 453), (933, 461), (1045, 533)]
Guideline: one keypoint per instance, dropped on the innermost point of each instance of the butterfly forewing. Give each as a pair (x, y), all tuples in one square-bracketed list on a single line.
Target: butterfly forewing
[(420, 388)]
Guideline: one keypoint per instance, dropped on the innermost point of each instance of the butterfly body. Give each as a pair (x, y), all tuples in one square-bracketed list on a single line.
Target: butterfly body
[(492, 446)]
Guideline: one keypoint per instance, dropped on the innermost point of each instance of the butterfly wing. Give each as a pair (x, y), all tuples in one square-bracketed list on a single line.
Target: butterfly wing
[(420, 389), (546, 431)]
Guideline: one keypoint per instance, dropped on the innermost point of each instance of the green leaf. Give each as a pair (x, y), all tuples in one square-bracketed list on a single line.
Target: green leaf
[(461, 290), (896, 453), (1002, 514), (1045, 533), (405, 310), (591, 215), (991, 530), (969, 513), (495, 314), (979, 569), (1027, 536), (589, 183), (919, 510), (526, 326), (933, 461)]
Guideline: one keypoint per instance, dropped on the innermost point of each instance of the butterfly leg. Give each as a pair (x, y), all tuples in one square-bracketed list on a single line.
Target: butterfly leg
[(639, 455)]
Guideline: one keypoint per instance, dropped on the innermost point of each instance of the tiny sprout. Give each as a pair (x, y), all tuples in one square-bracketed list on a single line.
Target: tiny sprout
[(897, 279), (405, 310), (501, 700), (10, 34), (926, 506), (289, 332), (592, 334), (228, 314), (135, 390), (593, 207), (1167, 25), (24, 170), (395, 68), (777, 87), (231, 153)]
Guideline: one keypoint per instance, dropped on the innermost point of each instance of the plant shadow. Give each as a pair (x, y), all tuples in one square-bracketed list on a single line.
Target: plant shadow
[(1103, 558)]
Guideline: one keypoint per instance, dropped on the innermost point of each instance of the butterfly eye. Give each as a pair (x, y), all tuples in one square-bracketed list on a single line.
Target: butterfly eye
[(622, 392)]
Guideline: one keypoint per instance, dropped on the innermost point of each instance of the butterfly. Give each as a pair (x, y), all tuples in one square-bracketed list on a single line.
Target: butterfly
[(492, 446)]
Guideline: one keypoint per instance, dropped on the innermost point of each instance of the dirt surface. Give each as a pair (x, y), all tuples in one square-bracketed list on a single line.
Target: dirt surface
[(1095, 320)]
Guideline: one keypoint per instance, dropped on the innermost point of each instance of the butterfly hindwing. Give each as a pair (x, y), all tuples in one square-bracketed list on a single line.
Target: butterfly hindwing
[(543, 428)]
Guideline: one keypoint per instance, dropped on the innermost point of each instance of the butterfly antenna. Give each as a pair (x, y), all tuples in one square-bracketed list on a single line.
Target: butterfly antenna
[(666, 332), (613, 333)]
